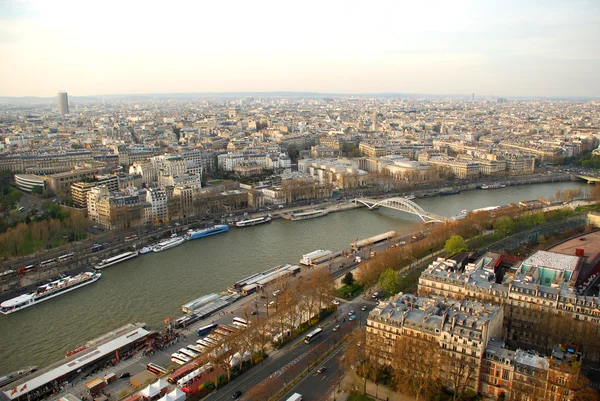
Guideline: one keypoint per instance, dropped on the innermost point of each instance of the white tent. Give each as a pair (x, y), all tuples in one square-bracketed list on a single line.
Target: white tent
[(175, 395), (154, 389)]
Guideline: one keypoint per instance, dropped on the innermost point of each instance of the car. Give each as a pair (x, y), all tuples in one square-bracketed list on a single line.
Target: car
[(351, 313), (336, 328), (124, 375), (254, 313), (321, 370), (359, 344), (364, 308), (236, 394), (353, 317), (336, 302), (375, 295)]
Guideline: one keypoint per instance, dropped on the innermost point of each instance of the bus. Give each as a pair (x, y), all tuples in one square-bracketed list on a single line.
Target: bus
[(181, 357), (47, 263), (181, 372), (312, 335), (131, 238), (295, 397), (97, 247), (203, 342), (26, 269), (156, 369), (207, 329), (196, 348), (238, 321), (66, 257), (188, 352)]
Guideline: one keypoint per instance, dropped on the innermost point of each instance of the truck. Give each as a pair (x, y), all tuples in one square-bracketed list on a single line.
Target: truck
[(295, 397), (310, 258), (94, 386)]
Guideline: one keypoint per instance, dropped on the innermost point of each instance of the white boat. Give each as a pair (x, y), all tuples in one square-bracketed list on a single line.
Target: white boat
[(145, 250), (309, 215), (115, 259), (492, 186), (47, 291), (410, 197), (253, 222), (168, 244)]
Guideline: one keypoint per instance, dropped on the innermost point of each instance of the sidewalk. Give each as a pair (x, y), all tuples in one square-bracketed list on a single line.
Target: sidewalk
[(374, 391)]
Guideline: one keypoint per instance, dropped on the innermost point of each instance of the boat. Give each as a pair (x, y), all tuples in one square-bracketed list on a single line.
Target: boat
[(487, 209), (446, 192), (168, 244), (309, 215), (146, 249), (195, 234), (115, 259), (253, 222), (75, 351), (47, 291), (410, 197), (16, 375), (430, 195), (492, 186)]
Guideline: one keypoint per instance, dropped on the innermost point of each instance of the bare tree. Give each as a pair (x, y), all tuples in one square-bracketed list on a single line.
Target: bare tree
[(416, 365)]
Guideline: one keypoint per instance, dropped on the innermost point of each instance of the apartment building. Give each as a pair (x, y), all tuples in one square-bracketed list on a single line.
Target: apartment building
[(461, 329), (60, 183), (157, 200), (344, 173), (79, 190), (460, 168), (372, 150), (525, 376), (45, 163)]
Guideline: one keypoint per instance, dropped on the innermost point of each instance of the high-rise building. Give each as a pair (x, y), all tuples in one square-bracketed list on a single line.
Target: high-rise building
[(63, 103)]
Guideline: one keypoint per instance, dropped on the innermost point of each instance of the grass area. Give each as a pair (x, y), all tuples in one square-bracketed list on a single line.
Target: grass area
[(354, 396), (349, 292)]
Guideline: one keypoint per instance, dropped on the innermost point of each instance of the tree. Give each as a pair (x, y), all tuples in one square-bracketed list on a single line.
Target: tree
[(455, 244), (389, 281), (348, 279), (460, 371), (416, 372), (504, 225)]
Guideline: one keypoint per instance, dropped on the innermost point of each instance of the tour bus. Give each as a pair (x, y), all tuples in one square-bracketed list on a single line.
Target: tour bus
[(7, 273), (188, 352), (196, 348), (202, 331), (66, 257), (238, 321), (312, 335), (26, 269), (295, 397), (131, 238), (156, 369), (182, 357), (48, 262), (97, 247)]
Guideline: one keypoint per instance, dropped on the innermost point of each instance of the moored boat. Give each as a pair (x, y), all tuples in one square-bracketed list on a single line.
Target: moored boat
[(309, 215), (168, 244), (195, 234), (449, 191), (492, 186), (145, 250), (253, 222), (47, 291), (115, 259)]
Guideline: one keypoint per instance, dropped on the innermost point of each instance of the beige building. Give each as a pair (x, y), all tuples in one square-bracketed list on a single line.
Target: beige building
[(460, 168), (79, 190)]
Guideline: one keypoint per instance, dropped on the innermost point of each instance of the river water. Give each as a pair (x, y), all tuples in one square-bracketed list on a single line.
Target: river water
[(154, 286)]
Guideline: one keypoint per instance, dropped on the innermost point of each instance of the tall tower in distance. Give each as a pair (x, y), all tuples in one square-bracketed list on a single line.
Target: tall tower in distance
[(63, 103)]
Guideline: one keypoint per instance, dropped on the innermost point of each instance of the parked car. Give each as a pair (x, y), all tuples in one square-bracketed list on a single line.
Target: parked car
[(336, 328), (353, 317), (336, 302), (236, 394)]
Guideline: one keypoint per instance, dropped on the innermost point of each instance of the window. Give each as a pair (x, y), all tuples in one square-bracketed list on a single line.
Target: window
[(505, 374)]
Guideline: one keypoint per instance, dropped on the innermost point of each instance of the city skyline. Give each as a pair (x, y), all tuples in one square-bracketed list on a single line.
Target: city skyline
[(536, 50)]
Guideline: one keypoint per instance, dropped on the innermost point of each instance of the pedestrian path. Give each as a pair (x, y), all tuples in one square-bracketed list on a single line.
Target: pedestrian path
[(377, 392)]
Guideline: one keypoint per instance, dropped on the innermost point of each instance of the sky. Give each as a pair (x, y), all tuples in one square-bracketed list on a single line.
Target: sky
[(501, 48)]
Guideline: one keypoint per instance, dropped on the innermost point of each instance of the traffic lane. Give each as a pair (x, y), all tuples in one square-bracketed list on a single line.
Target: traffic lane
[(284, 364), (318, 386)]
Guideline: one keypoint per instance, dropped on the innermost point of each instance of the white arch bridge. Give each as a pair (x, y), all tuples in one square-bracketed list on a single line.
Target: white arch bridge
[(403, 205)]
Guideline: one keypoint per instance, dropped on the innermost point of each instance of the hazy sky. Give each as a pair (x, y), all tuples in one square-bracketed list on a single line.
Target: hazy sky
[(504, 48)]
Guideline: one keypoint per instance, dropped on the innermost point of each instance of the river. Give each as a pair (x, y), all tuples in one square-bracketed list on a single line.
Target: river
[(154, 286)]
